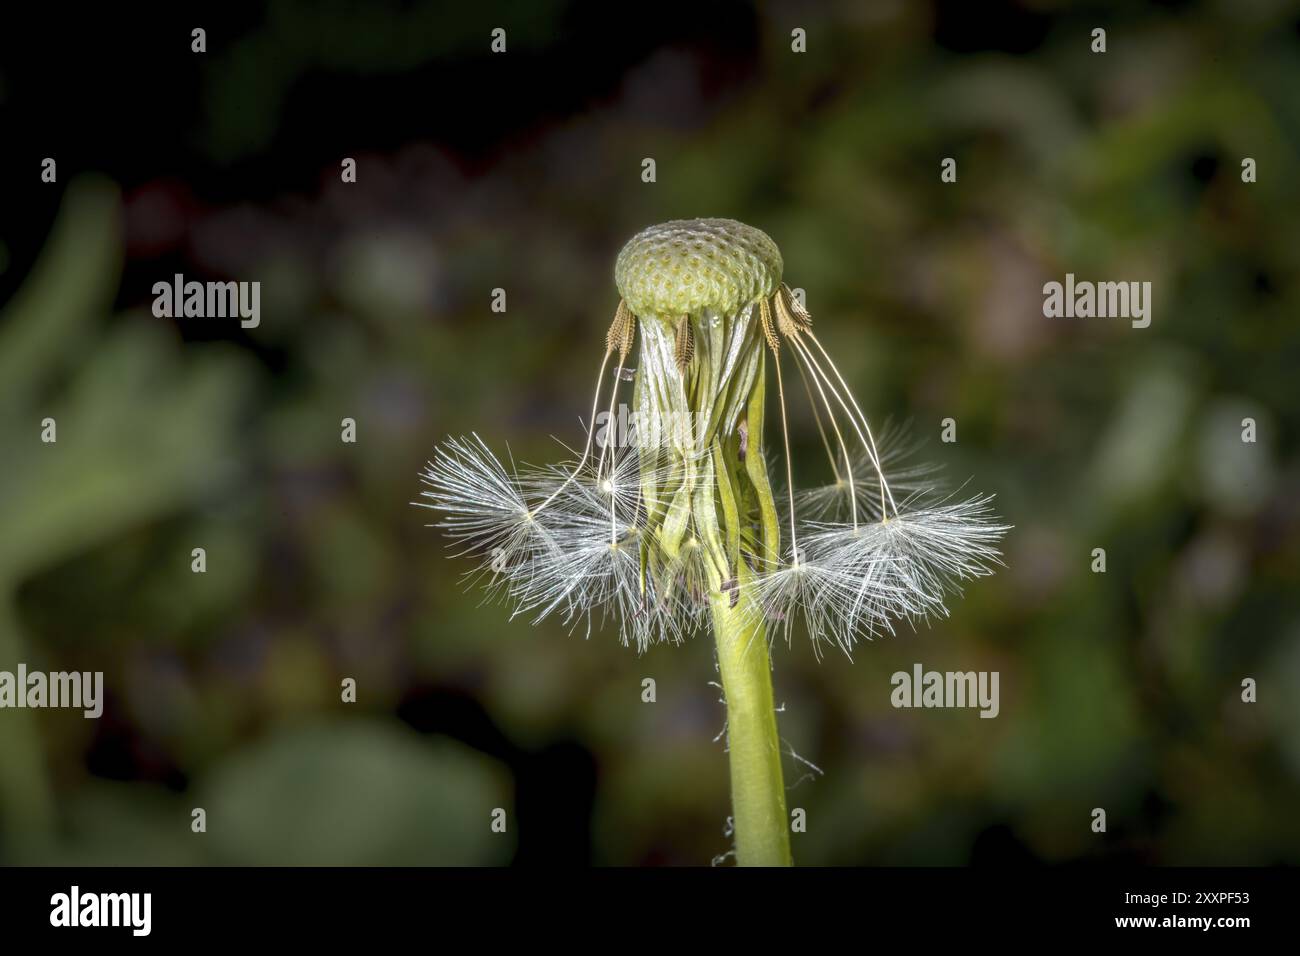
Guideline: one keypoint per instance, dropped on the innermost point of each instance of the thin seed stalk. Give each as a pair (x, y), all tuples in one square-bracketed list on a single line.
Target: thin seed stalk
[(754, 747)]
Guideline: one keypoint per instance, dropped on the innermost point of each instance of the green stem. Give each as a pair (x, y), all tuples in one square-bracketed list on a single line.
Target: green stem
[(754, 748)]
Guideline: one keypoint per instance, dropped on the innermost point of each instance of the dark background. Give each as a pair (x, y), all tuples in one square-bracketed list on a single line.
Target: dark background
[(522, 171)]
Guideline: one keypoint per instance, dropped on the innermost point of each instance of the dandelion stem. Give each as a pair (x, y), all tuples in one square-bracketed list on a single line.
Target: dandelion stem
[(753, 744)]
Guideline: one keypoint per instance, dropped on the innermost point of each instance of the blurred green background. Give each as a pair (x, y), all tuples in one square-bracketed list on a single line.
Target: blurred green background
[(523, 171)]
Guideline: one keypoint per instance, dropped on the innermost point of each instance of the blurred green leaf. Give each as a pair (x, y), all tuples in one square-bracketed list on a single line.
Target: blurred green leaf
[(357, 793)]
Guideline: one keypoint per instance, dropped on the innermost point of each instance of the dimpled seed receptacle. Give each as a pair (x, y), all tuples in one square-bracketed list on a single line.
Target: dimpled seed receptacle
[(688, 265)]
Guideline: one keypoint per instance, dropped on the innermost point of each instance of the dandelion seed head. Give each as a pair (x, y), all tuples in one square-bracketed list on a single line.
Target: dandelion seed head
[(655, 539)]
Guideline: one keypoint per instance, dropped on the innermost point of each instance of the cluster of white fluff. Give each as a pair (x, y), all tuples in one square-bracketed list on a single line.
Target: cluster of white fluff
[(850, 582), (561, 539), (572, 540)]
